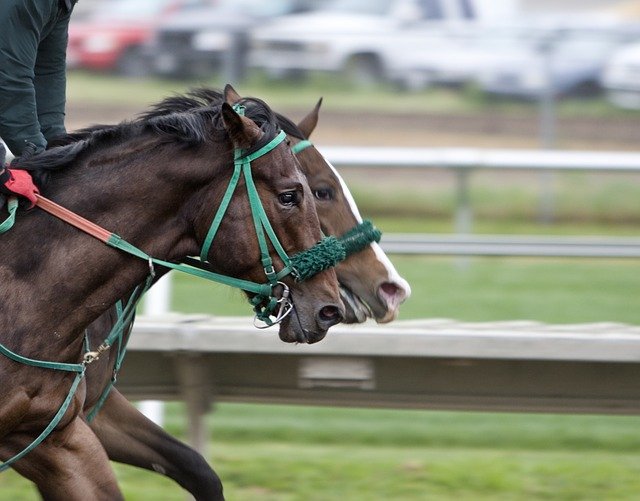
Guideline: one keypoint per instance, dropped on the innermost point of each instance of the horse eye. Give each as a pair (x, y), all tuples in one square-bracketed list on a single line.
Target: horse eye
[(323, 194), (288, 198)]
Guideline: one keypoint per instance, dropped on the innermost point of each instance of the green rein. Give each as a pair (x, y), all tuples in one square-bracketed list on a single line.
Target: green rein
[(325, 254)]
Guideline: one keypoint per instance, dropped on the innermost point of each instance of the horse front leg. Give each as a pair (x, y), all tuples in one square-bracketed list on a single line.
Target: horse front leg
[(70, 465), (130, 438)]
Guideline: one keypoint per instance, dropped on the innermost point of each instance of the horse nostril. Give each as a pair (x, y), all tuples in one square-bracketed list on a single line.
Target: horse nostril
[(390, 289), (330, 315), (393, 294)]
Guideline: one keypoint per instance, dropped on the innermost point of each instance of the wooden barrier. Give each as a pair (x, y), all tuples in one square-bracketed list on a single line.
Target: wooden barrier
[(427, 364)]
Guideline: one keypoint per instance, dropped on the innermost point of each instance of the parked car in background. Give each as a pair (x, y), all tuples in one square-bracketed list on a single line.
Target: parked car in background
[(201, 42), (621, 77), (111, 35), (359, 38), (452, 56), (566, 62)]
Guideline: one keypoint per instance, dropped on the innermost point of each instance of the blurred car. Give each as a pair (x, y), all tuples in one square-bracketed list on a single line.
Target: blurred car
[(200, 42), (564, 62), (444, 57), (359, 38), (621, 77), (110, 37)]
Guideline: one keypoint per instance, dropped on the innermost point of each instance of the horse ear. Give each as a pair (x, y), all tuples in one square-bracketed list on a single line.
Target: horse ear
[(230, 95), (308, 123), (242, 131)]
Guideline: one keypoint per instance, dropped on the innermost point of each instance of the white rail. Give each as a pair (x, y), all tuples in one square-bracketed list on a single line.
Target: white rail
[(463, 161), (510, 245), (477, 158)]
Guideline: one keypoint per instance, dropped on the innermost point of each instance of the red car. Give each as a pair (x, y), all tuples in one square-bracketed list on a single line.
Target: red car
[(112, 36)]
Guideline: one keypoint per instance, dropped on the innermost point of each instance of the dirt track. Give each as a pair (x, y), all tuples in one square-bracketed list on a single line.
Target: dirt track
[(495, 130)]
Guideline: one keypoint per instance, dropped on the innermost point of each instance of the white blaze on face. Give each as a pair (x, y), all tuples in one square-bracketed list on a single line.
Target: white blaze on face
[(393, 275)]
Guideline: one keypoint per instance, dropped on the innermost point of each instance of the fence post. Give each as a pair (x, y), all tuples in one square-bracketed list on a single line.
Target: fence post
[(548, 129), (157, 302), (463, 215), (195, 389)]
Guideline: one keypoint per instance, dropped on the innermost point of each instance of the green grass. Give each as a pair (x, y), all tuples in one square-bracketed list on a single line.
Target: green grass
[(479, 289), (292, 453), (504, 202), (101, 88)]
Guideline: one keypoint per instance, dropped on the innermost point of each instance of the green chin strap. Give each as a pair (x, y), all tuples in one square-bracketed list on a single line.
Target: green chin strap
[(324, 255)]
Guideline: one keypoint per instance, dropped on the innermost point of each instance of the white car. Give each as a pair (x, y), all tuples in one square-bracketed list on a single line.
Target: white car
[(621, 78), (358, 37), (562, 60), (451, 57)]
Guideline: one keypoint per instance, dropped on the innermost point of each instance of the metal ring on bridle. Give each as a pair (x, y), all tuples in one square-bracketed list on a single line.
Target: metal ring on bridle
[(284, 310)]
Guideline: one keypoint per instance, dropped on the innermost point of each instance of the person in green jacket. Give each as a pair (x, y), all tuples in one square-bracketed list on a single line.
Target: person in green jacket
[(33, 45)]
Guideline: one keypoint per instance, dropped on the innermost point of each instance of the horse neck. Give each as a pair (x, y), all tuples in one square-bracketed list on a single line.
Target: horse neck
[(55, 280)]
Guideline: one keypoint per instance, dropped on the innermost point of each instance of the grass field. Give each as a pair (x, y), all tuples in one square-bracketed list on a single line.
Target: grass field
[(488, 289), (286, 453), (97, 88)]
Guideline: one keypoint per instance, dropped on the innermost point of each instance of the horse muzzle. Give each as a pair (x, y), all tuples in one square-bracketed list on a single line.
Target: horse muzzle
[(300, 328)]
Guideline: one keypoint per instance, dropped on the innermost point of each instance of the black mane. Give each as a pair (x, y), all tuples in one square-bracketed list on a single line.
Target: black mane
[(204, 96), (184, 119)]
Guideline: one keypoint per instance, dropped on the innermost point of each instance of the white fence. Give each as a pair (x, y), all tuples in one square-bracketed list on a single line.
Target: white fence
[(463, 161), (430, 364), (478, 158), (516, 366), (510, 245)]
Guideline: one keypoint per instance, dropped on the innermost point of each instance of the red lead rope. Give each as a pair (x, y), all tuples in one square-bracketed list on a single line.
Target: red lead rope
[(73, 219)]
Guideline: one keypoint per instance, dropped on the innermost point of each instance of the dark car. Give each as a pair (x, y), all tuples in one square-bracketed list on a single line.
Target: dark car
[(203, 41), (111, 35)]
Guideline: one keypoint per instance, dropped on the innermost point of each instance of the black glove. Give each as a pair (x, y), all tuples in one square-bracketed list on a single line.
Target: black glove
[(29, 150), (4, 173)]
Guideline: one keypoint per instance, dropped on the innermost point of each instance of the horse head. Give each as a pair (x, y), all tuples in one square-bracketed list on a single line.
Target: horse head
[(157, 182), (288, 204), (370, 286)]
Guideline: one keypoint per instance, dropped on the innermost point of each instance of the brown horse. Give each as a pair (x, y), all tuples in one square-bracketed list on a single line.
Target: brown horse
[(127, 435), (370, 285), (156, 183), (368, 282)]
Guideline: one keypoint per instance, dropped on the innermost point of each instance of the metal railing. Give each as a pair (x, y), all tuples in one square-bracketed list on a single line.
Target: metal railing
[(464, 161), (508, 245), (479, 158)]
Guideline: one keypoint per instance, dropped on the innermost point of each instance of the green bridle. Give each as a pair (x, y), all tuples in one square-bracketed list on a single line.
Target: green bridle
[(325, 254), (362, 234)]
